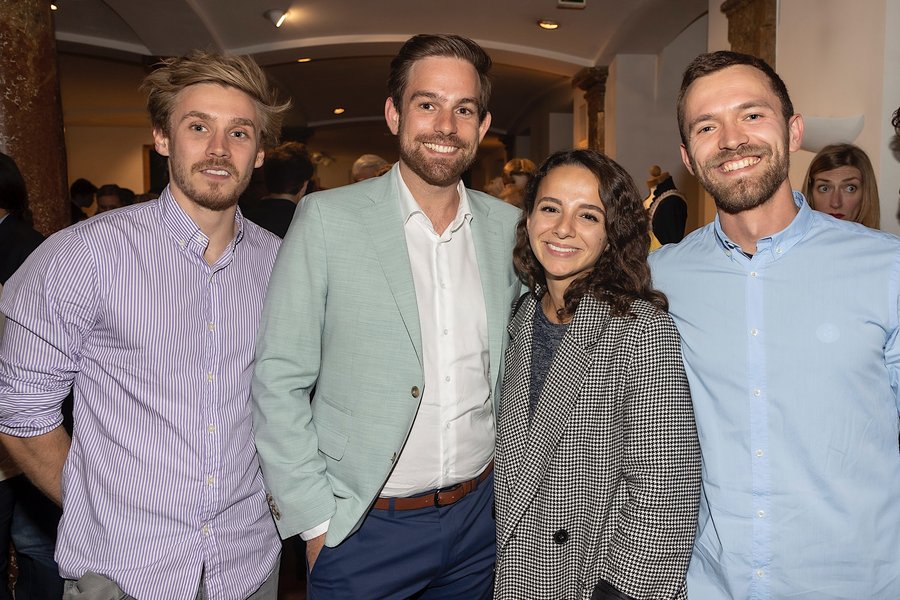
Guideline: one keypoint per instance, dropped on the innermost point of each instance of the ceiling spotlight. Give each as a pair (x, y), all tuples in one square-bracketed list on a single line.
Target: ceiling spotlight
[(304, 59), (339, 111), (53, 6), (276, 16), (548, 24)]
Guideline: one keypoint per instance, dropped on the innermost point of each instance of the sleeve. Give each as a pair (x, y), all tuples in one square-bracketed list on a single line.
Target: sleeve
[(50, 305), (651, 547), (288, 358)]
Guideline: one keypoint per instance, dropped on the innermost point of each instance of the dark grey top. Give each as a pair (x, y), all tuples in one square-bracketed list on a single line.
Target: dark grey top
[(547, 337)]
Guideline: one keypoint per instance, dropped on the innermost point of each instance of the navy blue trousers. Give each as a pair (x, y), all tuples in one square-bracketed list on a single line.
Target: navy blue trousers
[(445, 553)]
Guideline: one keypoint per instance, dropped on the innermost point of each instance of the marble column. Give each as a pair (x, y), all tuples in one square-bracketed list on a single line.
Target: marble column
[(751, 27), (31, 124), (592, 81)]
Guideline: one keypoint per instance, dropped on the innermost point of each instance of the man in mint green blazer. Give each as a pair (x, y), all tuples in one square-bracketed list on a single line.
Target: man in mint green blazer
[(389, 300)]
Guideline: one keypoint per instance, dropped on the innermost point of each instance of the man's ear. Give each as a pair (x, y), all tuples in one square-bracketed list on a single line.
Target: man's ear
[(686, 159), (795, 131), (392, 116), (260, 158), (484, 126), (160, 142)]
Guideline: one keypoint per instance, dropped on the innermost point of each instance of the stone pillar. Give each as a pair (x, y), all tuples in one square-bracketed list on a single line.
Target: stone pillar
[(592, 81), (31, 125), (751, 27)]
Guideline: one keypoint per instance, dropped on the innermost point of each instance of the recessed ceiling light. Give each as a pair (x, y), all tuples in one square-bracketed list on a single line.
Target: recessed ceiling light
[(304, 59), (548, 24), (339, 111), (53, 6), (276, 16)]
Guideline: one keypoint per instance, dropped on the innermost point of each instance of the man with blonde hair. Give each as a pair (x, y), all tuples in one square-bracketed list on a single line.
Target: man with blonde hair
[(150, 313)]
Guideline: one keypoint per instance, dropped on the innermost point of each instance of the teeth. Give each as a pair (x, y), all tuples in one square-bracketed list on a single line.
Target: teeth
[(740, 164), (440, 148), (556, 248), (217, 172)]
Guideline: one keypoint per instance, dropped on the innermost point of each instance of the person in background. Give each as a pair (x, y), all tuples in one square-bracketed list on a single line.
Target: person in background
[(81, 193), (368, 166), (390, 298), (516, 175), (109, 196), (598, 466), (151, 313), (840, 181), (287, 170), (791, 343)]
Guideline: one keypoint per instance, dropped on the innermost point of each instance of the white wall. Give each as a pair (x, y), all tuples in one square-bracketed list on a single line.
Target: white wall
[(841, 59), (107, 155), (642, 128)]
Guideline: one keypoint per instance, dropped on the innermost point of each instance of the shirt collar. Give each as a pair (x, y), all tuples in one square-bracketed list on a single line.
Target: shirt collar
[(409, 206), (183, 229), (778, 243)]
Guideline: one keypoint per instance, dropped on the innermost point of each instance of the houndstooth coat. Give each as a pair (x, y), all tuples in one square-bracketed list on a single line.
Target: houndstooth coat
[(605, 484)]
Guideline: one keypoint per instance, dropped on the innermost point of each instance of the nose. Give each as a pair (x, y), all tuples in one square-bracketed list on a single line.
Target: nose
[(732, 136), (445, 122), (564, 227), (836, 199), (218, 144)]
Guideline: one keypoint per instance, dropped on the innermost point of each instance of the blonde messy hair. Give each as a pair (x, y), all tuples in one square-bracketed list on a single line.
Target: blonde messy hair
[(166, 82)]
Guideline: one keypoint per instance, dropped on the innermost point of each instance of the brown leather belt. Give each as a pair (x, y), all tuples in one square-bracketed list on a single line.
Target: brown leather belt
[(443, 497)]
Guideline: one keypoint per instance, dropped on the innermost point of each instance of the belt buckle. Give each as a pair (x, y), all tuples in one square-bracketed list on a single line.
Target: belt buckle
[(437, 501)]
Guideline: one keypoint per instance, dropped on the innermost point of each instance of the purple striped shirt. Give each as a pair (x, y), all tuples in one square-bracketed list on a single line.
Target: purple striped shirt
[(162, 480)]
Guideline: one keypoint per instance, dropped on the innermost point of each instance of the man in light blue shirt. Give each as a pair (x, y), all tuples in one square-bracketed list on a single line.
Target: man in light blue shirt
[(789, 325)]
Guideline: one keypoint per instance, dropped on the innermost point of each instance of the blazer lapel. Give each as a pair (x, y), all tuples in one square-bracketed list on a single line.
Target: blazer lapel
[(562, 388), (384, 223), (494, 259)]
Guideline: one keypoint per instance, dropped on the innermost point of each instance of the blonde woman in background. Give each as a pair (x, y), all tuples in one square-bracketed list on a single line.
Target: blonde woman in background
[(840, 181)]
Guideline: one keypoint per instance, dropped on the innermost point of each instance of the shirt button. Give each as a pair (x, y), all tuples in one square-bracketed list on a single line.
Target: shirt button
[(209, 376), (757, 393), (778, 250), (447, 378), (754, 332), (210, 480), (446, 331), (760, 513), (760, 573), (752, 273), (443, 285), (205, 529), (728, 253), (760, 453), (211, 326)]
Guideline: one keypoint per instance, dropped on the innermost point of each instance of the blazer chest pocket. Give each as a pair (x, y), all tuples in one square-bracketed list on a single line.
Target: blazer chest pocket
[(332, 424)]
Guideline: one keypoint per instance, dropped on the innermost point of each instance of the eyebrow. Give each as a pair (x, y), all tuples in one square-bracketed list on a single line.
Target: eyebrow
[(579, 207), (844, 180), (439, 97), (196, 114), (740, 107)]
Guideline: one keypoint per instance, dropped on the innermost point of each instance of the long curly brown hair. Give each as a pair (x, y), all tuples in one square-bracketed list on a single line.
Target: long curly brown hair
[(621, 274)]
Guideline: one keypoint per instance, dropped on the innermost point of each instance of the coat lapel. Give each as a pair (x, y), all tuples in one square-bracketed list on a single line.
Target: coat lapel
[(384, 223), (562, 388), (494, 258)]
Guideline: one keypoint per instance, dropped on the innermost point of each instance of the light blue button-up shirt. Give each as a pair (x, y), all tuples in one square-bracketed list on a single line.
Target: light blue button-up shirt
[(794, 366)]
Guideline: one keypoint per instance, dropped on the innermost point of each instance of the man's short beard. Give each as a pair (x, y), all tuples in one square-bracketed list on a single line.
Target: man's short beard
[(744, 193), (437, 172), (215, 198)]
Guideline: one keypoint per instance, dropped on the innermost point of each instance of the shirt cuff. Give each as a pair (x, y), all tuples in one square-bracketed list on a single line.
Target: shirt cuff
[(315, 531)]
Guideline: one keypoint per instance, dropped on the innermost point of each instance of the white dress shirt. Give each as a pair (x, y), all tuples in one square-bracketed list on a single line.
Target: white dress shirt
[(452, 438)]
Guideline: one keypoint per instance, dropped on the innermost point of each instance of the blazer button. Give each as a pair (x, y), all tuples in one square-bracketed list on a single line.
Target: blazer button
[(561, 537), (414, 392)]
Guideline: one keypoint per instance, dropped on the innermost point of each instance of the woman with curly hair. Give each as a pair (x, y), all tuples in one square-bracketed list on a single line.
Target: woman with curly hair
[(597, 463)]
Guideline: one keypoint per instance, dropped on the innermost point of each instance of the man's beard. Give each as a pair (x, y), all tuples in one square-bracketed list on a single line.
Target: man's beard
[(440, 172), (217, 196), (744, 193)]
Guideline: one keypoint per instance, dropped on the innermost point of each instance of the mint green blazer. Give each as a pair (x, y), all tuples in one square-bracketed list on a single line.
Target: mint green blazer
[(341, 318)]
